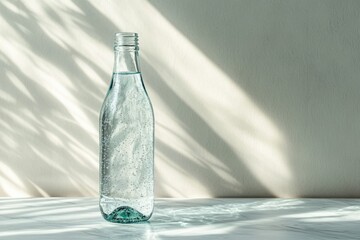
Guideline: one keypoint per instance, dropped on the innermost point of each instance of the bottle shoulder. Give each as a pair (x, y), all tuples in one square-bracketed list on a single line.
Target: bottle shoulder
[(125, 101), (126, 91)]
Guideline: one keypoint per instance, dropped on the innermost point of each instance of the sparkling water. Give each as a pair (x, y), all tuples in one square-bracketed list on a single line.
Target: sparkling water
[(126, 151)]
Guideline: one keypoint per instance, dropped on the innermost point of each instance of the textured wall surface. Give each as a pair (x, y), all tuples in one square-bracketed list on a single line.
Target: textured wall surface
[(252, 98)]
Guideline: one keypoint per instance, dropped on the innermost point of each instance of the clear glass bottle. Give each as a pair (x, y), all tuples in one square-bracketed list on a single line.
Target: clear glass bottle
[(126, 129)]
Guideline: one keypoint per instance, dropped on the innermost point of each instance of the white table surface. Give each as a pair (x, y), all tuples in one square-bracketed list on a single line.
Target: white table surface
[(79, 218)]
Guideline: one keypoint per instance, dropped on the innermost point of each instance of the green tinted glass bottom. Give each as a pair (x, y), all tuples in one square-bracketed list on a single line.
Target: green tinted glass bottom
[(125, 215)]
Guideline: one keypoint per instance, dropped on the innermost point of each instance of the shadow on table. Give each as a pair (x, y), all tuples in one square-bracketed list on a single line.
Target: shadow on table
[(58, 218)]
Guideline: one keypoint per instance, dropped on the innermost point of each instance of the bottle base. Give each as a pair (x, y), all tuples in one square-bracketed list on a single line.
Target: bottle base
[(125, 214)]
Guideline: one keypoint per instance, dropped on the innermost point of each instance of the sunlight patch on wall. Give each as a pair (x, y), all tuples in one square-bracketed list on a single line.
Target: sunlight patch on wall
[(218, 101), (221, 103), (39, 40), (10, 182), (46, 74)]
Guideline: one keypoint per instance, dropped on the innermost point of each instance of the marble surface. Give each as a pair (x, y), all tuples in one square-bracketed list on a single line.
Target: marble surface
[(79, 218)]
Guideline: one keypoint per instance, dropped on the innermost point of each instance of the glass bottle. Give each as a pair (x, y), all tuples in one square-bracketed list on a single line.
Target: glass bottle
[(126, 129)]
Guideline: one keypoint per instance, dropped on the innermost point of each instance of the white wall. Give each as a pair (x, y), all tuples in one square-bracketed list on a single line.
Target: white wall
[(252, 98)]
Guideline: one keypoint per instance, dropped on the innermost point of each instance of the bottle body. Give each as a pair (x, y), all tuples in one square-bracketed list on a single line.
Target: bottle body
[(126, 150)]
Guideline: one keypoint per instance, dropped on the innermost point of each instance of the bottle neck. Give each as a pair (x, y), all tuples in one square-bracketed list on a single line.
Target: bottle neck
[(126, 60), (126, 46)]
